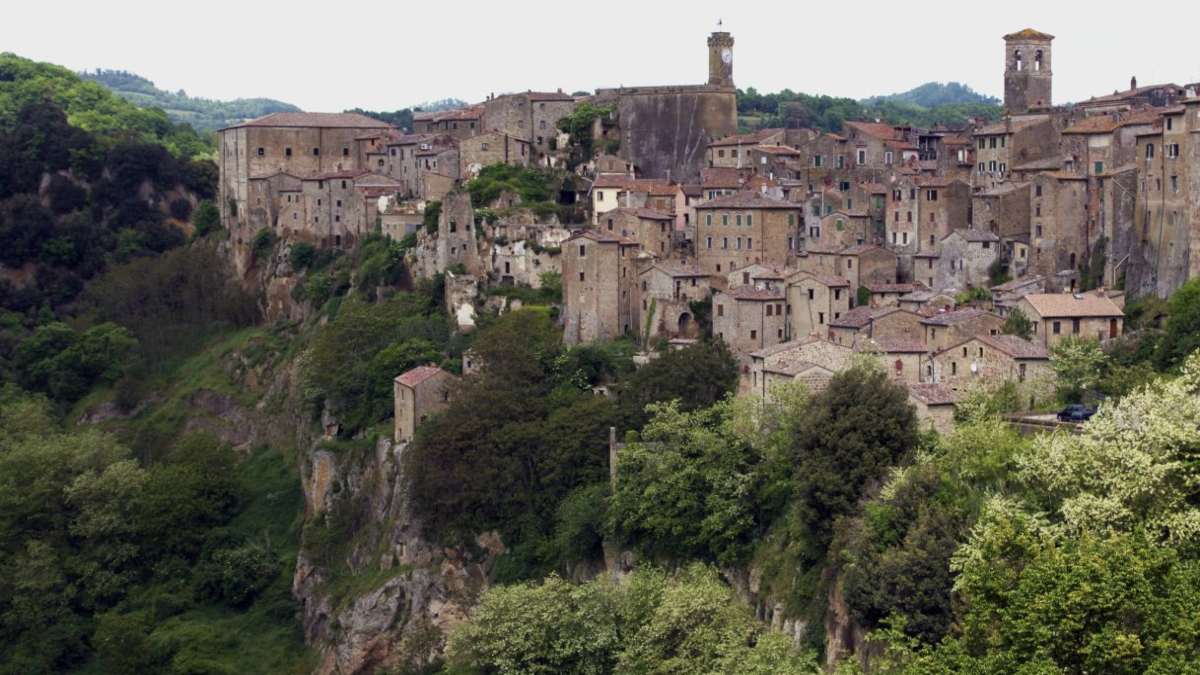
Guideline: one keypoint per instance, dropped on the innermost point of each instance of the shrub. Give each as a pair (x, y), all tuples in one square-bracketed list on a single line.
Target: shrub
[(302, 255), (181, 209), (263, 242), (206, 218)]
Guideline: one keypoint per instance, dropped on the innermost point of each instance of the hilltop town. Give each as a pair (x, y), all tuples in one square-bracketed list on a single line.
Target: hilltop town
[(798, 248)]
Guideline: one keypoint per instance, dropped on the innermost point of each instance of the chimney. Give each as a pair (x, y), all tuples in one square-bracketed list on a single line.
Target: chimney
[(1133, 82)]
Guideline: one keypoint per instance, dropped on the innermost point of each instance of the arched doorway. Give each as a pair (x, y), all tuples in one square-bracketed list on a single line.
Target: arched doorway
[(685, 325)]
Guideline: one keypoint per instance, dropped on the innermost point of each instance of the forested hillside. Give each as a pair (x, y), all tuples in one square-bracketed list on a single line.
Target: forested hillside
[(134, 538), (925, 106), (202, 114)]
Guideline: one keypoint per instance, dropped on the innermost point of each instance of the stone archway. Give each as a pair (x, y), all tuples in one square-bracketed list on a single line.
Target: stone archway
[(685, 325)]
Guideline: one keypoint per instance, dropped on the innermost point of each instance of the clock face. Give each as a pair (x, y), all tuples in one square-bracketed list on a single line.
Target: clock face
[(727, 55)]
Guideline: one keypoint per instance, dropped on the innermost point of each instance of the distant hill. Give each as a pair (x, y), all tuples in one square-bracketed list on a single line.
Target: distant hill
[(439, 106), (936, 94), (201, 113)]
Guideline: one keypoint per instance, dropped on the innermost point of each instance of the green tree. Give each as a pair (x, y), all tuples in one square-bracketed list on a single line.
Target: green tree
[(1016, 323), (697, 376), (854, 431), (1183, 326), (1079, 363)]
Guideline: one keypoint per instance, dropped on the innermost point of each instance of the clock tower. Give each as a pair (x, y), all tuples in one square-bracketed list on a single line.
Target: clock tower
[(720, 60)]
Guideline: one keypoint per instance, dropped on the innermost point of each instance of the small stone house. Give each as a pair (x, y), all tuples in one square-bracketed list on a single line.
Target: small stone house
[(417, 394), (934, 404), (948, 328), (814, 301), (1057, 315), (749, 318), (990, 357), (769, 365), (964, 260), (867, 264)]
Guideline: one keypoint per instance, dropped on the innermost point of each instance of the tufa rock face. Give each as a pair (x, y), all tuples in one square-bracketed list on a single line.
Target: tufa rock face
[(407, 592)]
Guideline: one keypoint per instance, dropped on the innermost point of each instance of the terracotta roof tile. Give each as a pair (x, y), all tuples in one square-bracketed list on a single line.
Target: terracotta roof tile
[(933, 394), (957, 316), (1069, 305), (747, 200), (322, 120), (756, 294), (753, 138), (418, 375)]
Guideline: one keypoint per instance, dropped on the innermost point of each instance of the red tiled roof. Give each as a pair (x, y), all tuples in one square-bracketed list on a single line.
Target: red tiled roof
[(322, 120), (417, 375), (753, 138), (720, 177), (602, 237), (957, 316), (898, 344), (933, 394), (747, 200), (874, 129), (1069, 305), (756, 294)]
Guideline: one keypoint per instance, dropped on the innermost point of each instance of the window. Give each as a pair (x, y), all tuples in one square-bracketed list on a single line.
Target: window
[(316, 152), (862, 156), (581, 276), (582, 251), (841, 161), (1099, 167), (1150, 151), (1057, 326), (791, 221), (837, 294), (708, 219), (904, 238), (753, 335), (262, 152), (849, 263), (931, 196), (721, 153), (1173, 151), (1174, 183), (954, 367), (887, 157), (821, 318), (750, 219), (709, 243), (1037, 230), (1169, 123), (738, 218), (720, 310), (287, 152), (750, 243), (1075, 326), (817, 159)]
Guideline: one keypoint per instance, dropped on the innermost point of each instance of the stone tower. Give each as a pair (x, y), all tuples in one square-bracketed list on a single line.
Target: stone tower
[(720, 60), (1027, 71)]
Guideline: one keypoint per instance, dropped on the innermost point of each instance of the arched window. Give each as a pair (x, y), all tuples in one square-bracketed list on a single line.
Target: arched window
[(1037, 60), (1017, 56)]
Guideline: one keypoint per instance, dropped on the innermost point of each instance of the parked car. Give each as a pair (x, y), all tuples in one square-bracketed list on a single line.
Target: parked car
[(1076, 412)]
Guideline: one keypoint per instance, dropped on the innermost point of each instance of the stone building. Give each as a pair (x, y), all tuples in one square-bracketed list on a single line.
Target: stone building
[(1058, 315), (614, 191), (877, 323), (989, 357), (793, 360), (878, 145), (899, 357), (1010, 142), (599, 286), (946, 328), (734, 151), (814, 301), (1061, 230), (417, 394), (491, 147), (866, 264), (531, 115), (1003, 210), (1028, 77), (460, 123), (744, 228), (665, 130), (749, 318), (965, 258), (291, 146), (654, 230), (666, 291), (934, 405)]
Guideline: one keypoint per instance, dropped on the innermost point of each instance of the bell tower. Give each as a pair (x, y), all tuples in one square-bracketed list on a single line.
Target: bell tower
[(1027, 72), (720, 59)]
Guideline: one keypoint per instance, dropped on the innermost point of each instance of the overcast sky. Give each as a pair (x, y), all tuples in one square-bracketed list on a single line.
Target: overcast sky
[(329, 56)]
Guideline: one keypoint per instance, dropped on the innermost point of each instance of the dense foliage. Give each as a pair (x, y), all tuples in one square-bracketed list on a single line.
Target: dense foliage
[(791, 109), (107, 559), (89, 106), (202, 114), (651, 623), (532, 185)]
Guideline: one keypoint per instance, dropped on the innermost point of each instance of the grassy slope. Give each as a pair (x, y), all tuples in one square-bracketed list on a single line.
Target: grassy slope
[(266, 637)]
